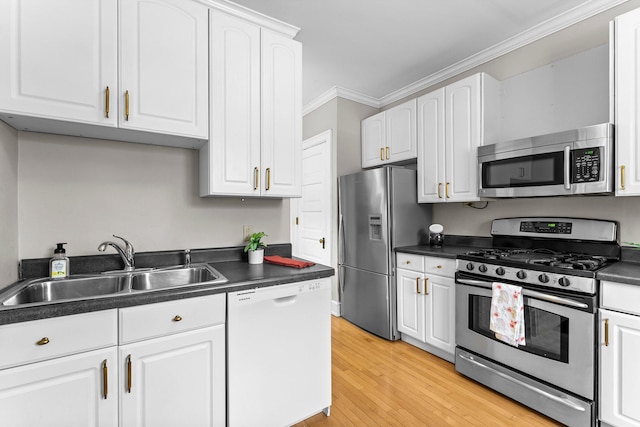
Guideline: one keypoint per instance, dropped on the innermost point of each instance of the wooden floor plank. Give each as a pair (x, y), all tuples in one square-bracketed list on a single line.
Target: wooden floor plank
[(383, 383)]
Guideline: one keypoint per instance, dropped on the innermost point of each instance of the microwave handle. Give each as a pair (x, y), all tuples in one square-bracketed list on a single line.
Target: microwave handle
[(567, 167)]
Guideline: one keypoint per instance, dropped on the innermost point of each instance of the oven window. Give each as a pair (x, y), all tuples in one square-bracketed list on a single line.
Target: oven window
[(546, 333), (524, 171)]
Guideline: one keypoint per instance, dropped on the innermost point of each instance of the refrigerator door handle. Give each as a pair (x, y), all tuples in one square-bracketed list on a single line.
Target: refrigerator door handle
[(340, 240)]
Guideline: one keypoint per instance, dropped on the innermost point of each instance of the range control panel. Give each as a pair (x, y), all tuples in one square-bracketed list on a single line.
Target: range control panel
[(546, 227), (585, 165)]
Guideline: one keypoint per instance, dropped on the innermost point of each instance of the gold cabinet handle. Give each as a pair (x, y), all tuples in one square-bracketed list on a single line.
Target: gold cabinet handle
[(439, 192), (446, 190), (426, 289), (387, 151), (408, 261), (322, 241), (606, 332), (268, 179), (177, 318), (438, 266), (129, 374), (105, 379), (106, 102), (256, 178), (126, 105), (418, 285), (622, 177), (381, 153), (43, 341)]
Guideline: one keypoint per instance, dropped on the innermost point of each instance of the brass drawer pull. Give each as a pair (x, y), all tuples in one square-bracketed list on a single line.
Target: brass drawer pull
[(43, 341), (439, 192), (387, 151), (622, 177), (106, 102), (105, 379), (446, 190), (129, 374), (418, 285), (426, 289), (126, 105), (606, 332), (256, 178), (381, 153), (177, 318), (268, 179)]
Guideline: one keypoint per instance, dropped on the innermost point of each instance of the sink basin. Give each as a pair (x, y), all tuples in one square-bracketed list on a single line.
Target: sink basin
[(48, 290), (112, 284), (171, 278)]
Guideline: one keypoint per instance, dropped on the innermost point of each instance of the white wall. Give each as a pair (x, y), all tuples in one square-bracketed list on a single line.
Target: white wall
[(8, 204), (81, 191)]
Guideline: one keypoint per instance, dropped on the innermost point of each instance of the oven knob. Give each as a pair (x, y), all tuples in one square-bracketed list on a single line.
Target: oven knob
[(521, 275), (482, 268), (543, 278), (564, 282), (470, 266), (500, 271)]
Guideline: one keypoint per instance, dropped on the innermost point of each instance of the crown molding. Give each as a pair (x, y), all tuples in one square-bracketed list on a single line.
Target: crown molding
[(341, 92), (253, 16), (535, 33)]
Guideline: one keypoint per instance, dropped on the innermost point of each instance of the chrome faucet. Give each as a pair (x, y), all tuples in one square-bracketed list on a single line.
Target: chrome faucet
[(127, 254), (187, 257)]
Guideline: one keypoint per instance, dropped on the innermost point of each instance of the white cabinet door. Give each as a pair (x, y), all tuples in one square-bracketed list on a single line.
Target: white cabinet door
[(401, 132), (174, 380), (619, 369), (410, 300), (627, 97), (431, 147), (72, 391), (281, 156), (440, 312), (462, 138), (373, 140), (230, 161), (59, 58), (164, 67)]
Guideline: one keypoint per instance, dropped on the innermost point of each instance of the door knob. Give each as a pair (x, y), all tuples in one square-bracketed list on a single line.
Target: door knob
[(322, 241)]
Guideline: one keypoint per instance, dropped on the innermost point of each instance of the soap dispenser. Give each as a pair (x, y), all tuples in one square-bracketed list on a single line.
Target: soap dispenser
[(59, 264)]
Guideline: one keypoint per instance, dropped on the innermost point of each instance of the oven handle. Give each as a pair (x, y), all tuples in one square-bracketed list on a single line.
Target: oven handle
[(548, 395), (529, 293), (567, 167)]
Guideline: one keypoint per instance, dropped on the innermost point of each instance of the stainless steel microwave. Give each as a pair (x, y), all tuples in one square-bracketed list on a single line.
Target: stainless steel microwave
[(578, 161)]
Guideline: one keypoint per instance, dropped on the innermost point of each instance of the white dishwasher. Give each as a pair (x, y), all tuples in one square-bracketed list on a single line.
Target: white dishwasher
[(279, 354)]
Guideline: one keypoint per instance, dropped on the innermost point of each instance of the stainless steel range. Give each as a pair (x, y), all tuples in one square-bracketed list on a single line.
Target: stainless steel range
[(555, 261)]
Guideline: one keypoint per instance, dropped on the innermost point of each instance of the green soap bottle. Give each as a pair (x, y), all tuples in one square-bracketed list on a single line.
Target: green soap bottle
[(59, 264)]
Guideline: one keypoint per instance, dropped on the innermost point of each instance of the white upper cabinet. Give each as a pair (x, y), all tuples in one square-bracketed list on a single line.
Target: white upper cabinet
[(164, 67), (452, 122), (255, 148), (626, 42), (58, 64), (390, 136), (126, 66)]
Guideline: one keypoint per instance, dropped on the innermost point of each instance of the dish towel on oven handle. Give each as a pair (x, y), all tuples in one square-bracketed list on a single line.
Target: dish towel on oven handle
[(507, 313)]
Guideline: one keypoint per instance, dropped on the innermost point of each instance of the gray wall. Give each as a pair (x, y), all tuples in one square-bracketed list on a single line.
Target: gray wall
[(8, 204)]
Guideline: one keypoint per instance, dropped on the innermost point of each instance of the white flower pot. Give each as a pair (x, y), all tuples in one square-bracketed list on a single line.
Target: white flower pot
[(256, 257)]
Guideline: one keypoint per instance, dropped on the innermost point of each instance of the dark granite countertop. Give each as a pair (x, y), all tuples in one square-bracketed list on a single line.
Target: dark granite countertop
[(453, 246), (241, 276), (621, 272)]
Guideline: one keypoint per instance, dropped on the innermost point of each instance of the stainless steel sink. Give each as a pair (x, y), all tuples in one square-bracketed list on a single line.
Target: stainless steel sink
[(47, 290)]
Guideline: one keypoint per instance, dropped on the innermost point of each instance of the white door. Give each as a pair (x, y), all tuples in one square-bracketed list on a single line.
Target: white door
[(68, 391), (164, 63), (175, 380), (410, 285), (373, 140), (462, 138), (440, 313), (431, 147), (627, 96), (619, 369), (281, 132), (401, 132), (232, 156), (311, 229), (58, 63)]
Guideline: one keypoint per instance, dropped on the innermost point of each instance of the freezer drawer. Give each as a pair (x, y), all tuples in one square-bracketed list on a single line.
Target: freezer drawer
[(368, 301)]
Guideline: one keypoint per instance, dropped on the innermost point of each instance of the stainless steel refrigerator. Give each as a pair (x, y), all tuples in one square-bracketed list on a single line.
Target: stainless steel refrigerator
[(378, 211)]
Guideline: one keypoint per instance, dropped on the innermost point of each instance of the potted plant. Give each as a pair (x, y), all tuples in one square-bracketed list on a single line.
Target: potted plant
[(255, 248)]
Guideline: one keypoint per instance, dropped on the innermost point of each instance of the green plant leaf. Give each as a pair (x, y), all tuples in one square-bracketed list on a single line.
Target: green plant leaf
[(255, 241)]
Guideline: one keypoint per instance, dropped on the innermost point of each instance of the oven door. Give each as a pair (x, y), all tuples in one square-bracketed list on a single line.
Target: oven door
[(559, 335), (544, 171)]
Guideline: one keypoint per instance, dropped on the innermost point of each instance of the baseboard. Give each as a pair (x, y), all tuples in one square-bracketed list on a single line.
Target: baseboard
[(335, 308)]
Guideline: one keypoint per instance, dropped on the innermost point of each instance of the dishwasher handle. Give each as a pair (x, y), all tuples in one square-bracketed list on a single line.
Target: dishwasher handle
[(288, 300)]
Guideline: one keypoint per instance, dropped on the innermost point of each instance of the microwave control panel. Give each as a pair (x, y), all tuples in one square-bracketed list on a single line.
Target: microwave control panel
[(585, 165)]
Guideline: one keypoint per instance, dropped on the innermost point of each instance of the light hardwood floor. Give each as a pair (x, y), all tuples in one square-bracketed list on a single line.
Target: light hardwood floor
[(382, 383)]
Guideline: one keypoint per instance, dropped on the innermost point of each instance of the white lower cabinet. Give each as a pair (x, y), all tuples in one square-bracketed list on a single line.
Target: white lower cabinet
[(619, 349), (426, 302)]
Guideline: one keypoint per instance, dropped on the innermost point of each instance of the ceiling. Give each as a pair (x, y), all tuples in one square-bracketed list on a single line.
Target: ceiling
[(378, 47)]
